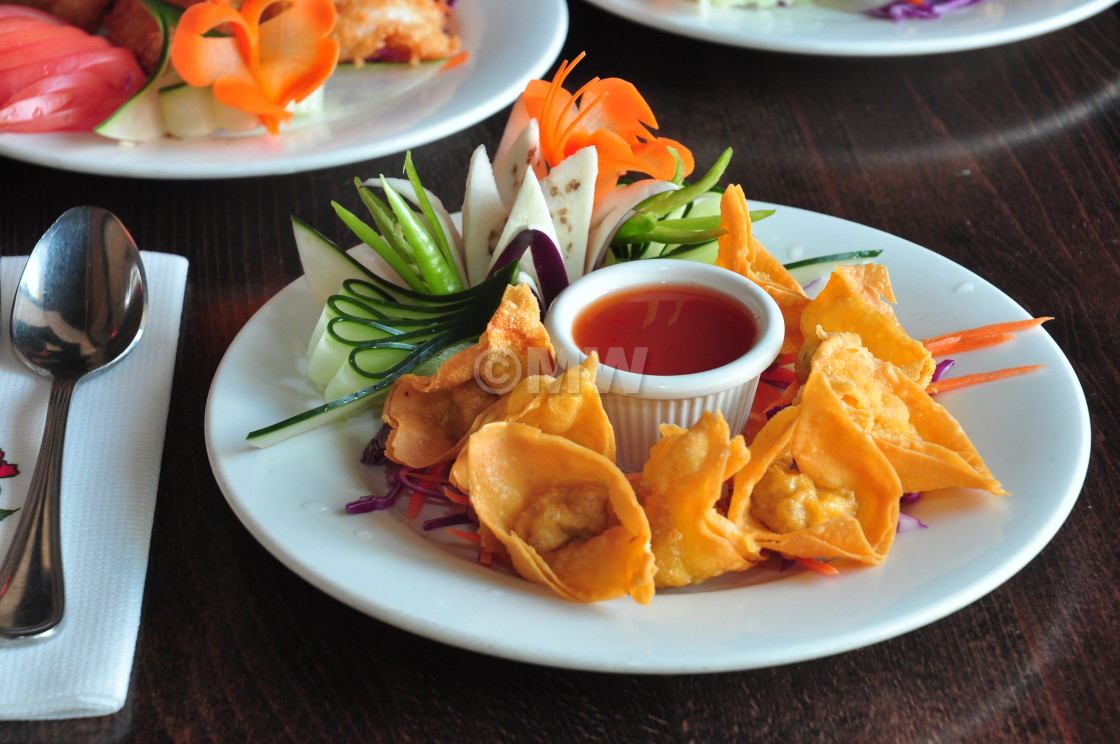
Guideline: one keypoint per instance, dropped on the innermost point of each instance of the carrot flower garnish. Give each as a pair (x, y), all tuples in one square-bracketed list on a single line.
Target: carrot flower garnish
[(610, 115), (257, 66)]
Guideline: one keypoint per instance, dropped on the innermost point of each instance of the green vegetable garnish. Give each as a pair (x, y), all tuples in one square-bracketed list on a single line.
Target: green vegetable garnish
[(832, 258)]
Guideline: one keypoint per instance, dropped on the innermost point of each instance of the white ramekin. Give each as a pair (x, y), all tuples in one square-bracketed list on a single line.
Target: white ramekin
[(638, 404)]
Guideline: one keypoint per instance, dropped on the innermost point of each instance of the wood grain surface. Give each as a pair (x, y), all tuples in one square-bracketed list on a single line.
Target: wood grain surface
[(1005, 160)]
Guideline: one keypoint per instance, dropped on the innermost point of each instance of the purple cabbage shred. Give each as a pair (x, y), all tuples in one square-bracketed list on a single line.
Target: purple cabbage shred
[(941, 368), (374, 453), (900, 10)]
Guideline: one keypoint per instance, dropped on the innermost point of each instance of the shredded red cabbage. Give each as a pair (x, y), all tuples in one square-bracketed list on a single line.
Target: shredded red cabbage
[(941, 368), (374, 453), (900, 10), (907, 523)]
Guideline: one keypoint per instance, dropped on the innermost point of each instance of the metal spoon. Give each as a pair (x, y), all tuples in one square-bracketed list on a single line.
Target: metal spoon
[(80, 306)]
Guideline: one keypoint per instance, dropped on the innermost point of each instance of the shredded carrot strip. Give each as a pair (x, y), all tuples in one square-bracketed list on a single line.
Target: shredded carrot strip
[(780, 375), (263, 66), (826, 569), (415, 502), (956, 344), (988, 330), (468, 536), (455, 497), (964, 380), (785, 360), (456, 60)]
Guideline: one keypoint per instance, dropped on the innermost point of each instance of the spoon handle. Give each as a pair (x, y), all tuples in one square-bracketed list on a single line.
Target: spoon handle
[(31, 591)]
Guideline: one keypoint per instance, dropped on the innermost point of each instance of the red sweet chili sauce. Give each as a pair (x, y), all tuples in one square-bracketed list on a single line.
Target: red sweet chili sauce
[(665, 329)]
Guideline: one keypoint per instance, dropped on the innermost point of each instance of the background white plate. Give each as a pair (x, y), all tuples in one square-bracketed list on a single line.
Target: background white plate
[(510, 42), (826, 28), (291, 498)]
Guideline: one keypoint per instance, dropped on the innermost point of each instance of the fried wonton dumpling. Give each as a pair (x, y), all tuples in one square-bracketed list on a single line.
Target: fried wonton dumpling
[(431, 416), (922, 440), (568, 406), (566, 516), (816, 485), (742, 253), (680, 485), (855, 300)]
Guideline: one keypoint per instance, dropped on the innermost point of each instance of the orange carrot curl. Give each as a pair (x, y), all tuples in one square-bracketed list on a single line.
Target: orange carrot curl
[(978, 338), (965, 380), (261, 66)]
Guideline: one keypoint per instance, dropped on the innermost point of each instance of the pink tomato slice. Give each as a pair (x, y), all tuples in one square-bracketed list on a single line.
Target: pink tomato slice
[(73, 102), (56, 77), (47, 46), (113, 62)]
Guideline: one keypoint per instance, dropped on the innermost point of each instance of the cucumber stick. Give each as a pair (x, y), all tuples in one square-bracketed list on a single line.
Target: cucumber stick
[(372, 331)]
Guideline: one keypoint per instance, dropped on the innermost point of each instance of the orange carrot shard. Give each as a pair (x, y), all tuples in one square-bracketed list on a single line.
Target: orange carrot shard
[(978, 338), (609, 114), (463, 535), (825, 569), (415, 502), (965, 380)]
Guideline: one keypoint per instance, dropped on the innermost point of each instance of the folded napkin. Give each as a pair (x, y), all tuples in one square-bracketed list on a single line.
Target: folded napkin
[(111, 462)]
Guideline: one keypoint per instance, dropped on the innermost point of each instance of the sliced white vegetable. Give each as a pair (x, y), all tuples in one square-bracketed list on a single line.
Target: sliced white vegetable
[(612, 210), (530, 211), (516, 123), (484, 216), (522, 157), (569, 192)]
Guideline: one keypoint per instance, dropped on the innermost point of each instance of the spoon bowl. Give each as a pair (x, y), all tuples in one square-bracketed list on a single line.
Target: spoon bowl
[(81, 306)]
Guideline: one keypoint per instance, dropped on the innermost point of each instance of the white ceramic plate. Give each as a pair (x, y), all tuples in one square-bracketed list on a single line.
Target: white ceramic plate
[(510, 42), (291, 498), (832, 27)]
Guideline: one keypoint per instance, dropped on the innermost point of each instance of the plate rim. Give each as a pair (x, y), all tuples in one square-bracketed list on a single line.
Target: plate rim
[(903, 47), (87, 152)]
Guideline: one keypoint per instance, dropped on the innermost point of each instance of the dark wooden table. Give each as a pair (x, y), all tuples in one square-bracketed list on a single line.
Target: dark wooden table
[(1005, 160)]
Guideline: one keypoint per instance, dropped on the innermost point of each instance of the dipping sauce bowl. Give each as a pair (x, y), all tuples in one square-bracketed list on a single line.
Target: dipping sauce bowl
[(654, 369)]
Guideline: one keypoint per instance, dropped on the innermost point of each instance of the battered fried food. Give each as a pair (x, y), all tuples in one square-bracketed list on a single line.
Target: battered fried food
[(393, 30)]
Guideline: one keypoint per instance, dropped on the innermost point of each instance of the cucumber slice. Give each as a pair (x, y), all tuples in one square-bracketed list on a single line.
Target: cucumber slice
[(140, 118), (188, 111), (325, 265), (377, 363)]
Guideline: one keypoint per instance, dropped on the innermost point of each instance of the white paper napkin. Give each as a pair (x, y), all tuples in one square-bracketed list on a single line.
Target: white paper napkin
[(111, 462)]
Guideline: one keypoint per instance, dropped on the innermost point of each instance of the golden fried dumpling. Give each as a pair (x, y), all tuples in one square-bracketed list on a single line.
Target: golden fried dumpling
[(566, 516), (681, 483), (922, 440), (816, 485), (855, 300), (741, 252), (568, 406), (431, 416)]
